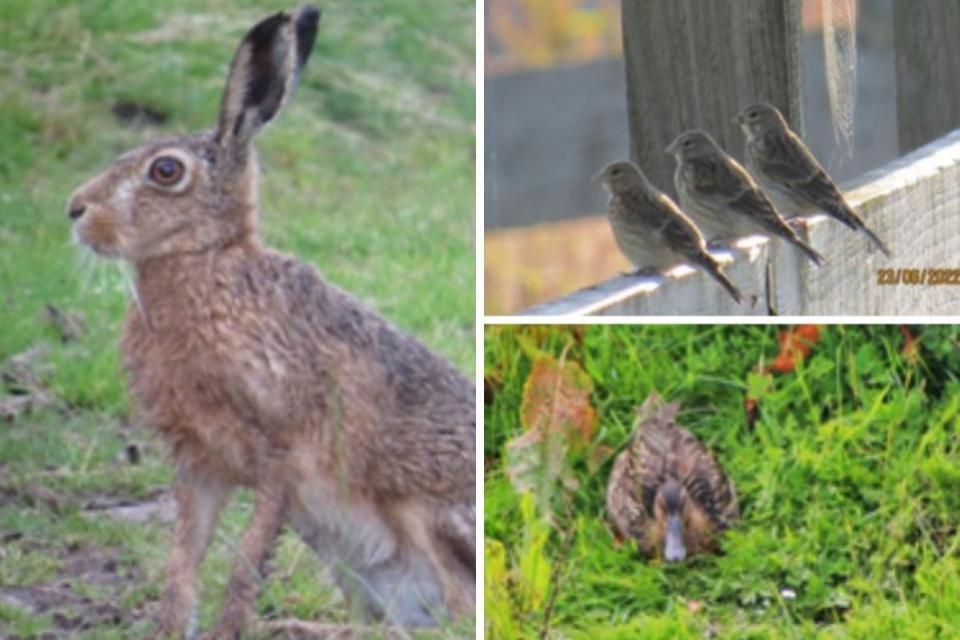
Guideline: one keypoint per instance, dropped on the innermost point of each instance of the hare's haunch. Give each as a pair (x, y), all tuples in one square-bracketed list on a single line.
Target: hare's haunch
[(259, 373)]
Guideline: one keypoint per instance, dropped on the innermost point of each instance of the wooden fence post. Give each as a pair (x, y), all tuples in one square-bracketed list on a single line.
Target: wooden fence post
[(927, 42), (695, 64)]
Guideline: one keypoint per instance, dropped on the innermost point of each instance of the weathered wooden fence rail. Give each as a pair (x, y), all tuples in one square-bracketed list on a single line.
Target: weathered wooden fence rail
[(913, 203)]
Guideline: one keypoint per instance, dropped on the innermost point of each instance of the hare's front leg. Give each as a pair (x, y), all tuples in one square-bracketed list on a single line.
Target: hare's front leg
[(269, 513), (199, 503)]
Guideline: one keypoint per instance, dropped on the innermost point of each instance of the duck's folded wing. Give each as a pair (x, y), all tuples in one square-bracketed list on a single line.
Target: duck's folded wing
[(707, 483), (624, 501)]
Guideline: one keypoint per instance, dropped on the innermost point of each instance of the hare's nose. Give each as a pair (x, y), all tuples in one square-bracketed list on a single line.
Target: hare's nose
[(76, 212)]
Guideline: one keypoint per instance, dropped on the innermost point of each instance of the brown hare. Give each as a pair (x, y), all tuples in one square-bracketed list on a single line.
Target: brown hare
[(666, 491), (258, 373)]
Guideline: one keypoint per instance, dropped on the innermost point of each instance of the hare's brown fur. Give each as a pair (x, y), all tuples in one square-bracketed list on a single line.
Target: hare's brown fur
[(258, 373)]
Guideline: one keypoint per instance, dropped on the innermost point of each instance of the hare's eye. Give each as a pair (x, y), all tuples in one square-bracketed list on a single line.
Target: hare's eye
[(166, 171)]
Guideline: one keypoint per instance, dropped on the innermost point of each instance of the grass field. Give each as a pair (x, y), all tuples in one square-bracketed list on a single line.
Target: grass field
[(848, 475), (368, 174)]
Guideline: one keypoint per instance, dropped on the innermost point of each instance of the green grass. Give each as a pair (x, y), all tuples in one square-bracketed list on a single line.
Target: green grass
[(849, 482), (367, 174)]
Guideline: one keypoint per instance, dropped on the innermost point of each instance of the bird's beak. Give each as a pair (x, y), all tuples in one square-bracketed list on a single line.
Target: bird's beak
[(597, 176), (673, 548), (737, 119), (671, 148)]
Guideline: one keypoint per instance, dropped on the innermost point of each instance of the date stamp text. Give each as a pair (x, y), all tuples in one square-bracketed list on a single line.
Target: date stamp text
[(926, 276)]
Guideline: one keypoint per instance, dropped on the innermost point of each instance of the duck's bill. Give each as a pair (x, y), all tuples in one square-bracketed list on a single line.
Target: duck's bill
[(673, 548)]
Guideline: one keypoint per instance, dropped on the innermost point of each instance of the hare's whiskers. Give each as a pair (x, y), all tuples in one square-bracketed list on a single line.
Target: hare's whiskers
[(126, 271)]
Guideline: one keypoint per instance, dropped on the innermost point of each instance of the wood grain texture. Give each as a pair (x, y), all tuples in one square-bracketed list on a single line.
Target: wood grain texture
[(927, 43), (913, 203), (695, 64)]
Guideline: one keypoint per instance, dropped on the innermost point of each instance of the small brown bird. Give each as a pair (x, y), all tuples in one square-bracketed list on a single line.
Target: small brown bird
[(666, 491), (722, 197), (786, 168), (650, 229)]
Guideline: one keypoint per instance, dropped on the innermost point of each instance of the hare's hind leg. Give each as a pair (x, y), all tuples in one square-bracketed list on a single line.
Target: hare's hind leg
[(269, 512), (402, 591), (199, 503), (423, 524)]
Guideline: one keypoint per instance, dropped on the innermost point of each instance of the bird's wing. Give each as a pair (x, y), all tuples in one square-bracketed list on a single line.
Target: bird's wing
[(787, 161), (821, 190), (716, 179), (625, 506), (679, 231), (652, 447), (705, 480), (731, 186), (637, 471), (755, 204)]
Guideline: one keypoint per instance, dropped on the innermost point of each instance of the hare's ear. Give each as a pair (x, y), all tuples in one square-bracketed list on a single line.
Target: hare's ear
[(263, 74)]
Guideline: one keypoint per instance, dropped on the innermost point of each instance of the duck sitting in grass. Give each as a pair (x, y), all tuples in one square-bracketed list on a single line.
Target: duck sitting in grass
[(666, 491)]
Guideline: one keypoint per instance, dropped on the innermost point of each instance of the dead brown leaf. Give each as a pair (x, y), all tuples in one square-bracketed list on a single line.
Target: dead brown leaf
[(22, 375), (556, 399), (25, 370), (557, 417), (12, 407)]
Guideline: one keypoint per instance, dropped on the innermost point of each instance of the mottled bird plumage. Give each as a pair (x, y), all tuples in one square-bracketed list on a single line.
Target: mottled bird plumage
[(785, 167), (723, 198), (663, 454), (649, 228)]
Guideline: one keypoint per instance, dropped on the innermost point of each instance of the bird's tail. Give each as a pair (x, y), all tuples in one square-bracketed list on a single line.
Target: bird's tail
[(849, 217), (712, 267), (877, 241), (809, 251)]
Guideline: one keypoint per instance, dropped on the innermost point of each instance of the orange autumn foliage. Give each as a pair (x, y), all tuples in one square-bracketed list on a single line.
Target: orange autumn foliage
[(556, 400), (542, 33), (796, 344), (911, 346)]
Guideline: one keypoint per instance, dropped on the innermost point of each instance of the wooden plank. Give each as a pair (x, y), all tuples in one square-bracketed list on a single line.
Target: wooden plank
[(913, 203), (695, 64), (928, 67), (547, 132)]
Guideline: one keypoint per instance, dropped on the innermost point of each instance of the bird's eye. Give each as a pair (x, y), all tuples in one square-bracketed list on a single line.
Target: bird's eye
[(615, 172), (687, 144), (166, 171), (753, 114)]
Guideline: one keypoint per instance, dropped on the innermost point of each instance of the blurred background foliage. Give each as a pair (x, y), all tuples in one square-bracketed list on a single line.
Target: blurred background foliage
[(526, 34)]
